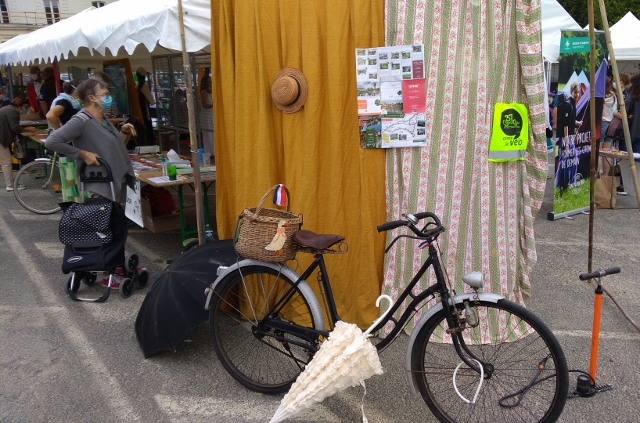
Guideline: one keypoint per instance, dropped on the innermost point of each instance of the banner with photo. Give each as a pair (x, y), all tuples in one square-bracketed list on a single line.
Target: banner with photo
[(572, 120)]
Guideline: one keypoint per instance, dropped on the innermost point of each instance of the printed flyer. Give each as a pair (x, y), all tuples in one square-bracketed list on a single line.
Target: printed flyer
[(391, 96)]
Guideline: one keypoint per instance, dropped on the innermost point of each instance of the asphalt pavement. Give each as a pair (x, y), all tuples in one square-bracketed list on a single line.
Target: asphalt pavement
[(62, 361)]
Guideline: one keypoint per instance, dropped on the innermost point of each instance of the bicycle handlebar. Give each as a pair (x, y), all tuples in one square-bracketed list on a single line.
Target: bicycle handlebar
[(411, 222), (597, 273)]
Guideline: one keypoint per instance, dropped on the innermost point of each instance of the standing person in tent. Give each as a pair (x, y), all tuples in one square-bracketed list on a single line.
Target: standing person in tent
[(145, 99), (93, 137), (33, 88), (48, 91), (632, 106), (10, 129), (206, 113), (65, 105), (609, 108)]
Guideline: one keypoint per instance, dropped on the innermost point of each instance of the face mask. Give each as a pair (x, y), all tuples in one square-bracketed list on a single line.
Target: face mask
[(24, 111), (76, 104), (106, 102), (33, 76)]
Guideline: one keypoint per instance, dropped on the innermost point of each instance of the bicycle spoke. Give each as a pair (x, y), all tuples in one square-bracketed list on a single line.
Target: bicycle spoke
[(522, 382)]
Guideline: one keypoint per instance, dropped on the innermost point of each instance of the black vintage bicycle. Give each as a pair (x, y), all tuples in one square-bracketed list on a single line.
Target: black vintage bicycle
[(472, 357)]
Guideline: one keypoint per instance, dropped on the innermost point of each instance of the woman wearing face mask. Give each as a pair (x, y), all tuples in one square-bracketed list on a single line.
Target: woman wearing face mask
[(9, 129), (94, 137), (65, 105)]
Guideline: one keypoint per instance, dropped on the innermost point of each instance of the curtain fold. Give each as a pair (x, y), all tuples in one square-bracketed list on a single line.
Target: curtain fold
[(315, 152), (477, 53)]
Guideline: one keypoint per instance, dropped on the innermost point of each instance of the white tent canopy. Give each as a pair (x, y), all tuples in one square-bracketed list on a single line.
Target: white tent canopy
[(625, 38), (554, 20), (124, 24)]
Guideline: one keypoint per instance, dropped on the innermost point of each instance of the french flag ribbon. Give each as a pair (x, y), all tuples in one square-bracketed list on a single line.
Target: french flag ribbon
[(280, 196)]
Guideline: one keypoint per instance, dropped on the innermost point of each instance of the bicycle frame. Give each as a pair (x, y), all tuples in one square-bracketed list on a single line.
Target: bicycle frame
[(52, 160), (439, 287)]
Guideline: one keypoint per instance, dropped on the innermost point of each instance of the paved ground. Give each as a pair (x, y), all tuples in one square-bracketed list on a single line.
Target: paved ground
[(62, 361)]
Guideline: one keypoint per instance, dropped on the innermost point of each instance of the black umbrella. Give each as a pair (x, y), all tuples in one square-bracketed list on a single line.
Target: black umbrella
[(175, 303)]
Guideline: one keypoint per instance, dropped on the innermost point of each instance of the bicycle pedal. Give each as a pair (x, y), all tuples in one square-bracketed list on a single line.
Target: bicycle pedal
[(590, 392), (603, 388)]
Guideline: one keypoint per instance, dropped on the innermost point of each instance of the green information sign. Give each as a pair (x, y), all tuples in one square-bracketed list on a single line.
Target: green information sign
[(574, 45)]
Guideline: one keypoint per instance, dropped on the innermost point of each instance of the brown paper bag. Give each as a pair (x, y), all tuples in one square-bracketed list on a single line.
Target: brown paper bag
[(606, 192)]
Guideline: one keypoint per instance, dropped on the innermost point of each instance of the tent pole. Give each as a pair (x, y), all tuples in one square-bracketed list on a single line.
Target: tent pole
[(623, 110), (56, 75), (192, 135), (592, 119)]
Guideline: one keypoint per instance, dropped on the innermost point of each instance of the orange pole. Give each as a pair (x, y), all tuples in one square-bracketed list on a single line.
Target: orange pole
[(595, 333)]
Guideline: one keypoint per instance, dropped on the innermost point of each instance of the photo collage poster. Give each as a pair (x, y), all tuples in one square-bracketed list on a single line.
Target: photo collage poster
[(391, 96)]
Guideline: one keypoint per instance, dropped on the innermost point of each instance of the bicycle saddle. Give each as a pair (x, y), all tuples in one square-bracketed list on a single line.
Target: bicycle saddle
[(310, 239)]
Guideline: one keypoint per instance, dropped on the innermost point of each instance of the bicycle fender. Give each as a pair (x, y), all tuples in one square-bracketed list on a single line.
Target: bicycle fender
[(458, 299), (286, 271)]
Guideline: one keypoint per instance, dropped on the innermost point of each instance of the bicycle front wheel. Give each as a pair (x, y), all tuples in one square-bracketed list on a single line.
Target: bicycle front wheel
[(42, 188), (262, 351), (526, 377)]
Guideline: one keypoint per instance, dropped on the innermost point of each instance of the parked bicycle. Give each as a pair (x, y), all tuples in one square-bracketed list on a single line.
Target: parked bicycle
[(266, 324), (43, 189)]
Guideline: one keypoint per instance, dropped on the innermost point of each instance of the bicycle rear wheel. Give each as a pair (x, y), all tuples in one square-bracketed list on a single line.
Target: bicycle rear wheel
[(521, 356), (259, 355), (42, 193)]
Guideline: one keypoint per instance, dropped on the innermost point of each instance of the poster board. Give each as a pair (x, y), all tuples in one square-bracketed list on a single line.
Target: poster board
[(123, 87), (132, 208), (391, 96), (571, 194)]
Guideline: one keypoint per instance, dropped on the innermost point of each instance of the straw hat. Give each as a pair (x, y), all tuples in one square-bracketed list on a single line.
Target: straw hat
[(289, 90)]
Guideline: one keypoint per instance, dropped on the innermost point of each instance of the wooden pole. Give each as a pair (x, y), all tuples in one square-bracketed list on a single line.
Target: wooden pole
[(192, 135), (592, 118), (623, 111)]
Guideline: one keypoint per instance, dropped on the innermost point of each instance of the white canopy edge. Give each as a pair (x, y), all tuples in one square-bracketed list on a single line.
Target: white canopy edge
[(625, 38), (123, 24), (554, 20)]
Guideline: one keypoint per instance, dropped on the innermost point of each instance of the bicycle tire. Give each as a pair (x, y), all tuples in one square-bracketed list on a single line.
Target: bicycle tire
[(515, 356), (247, 351), (40, 195)]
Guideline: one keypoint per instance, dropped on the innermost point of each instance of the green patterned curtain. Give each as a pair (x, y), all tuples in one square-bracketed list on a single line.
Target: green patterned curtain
[(477, 53)]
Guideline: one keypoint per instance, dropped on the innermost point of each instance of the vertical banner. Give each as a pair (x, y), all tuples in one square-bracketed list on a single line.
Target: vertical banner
[(572, 120)]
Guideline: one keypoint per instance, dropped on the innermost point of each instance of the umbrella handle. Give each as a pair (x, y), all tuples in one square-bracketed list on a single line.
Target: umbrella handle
[(384, 315)]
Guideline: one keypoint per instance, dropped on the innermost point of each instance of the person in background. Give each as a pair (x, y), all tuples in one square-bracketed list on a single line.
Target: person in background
[(33, 88), (48, 91), (178, 113), (145, 99), (104, 77), (609, 107), (206, 113), (65, 105), (632, 106), (5, 91), (93, 137), (625, 81), (10, 129)]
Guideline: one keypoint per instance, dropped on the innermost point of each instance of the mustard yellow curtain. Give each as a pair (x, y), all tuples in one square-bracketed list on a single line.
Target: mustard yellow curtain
[(337, 186)]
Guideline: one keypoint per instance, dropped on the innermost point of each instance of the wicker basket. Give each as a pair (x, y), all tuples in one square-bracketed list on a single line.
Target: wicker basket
[(257, 228)]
